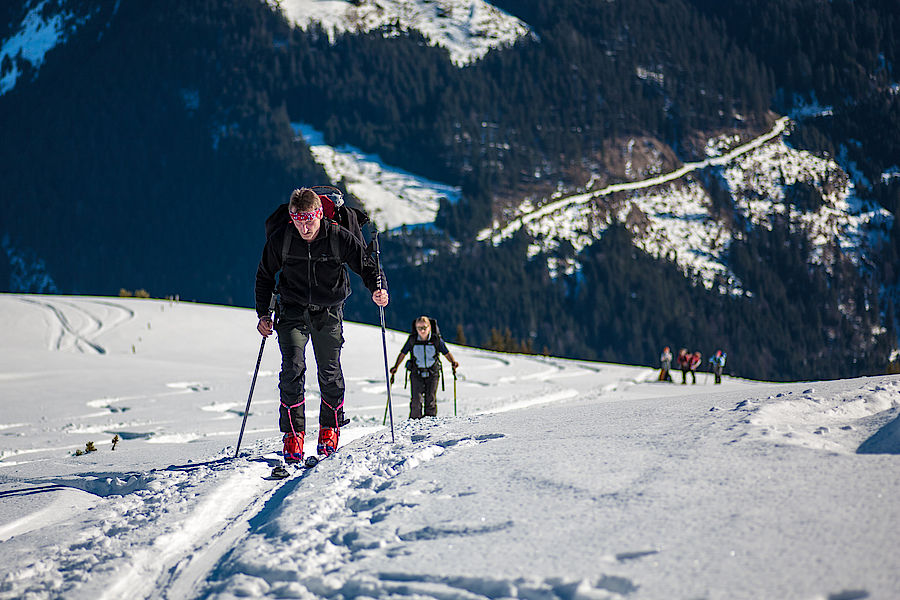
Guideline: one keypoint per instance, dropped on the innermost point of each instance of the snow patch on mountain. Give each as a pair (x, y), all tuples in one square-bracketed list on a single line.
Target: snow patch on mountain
[(43, 26), (392, 197), (668, 221), (468, 29), (33, 38)]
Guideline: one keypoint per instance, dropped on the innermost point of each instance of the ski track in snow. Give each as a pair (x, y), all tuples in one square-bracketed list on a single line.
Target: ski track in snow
[(230, 541), (345, 499), (74, 327)]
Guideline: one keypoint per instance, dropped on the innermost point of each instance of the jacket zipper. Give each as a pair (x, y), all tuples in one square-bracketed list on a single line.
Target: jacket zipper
[(309, 282)]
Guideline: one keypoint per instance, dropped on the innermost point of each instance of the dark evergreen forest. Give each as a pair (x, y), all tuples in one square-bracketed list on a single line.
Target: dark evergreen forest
[(148, 150)]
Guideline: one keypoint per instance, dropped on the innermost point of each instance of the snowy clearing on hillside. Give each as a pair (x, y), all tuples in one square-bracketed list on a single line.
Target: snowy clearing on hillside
[(33, 39), (558, 479), (392, 197), (467, 29)]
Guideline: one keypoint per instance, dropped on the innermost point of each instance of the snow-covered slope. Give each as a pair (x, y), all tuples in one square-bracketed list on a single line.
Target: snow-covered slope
[(468, 29), (558, 479)]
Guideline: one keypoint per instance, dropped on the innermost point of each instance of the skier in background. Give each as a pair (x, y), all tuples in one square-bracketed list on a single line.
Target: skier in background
[(312, 287), (695, 360), (424, 346), (665, 362), (684, 363), (718, 365)]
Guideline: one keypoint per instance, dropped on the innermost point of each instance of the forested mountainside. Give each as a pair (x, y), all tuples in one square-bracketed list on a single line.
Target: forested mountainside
[(146, 148)]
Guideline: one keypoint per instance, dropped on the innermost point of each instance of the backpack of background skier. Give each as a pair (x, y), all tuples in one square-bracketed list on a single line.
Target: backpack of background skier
[(432, 341), (334, 208)]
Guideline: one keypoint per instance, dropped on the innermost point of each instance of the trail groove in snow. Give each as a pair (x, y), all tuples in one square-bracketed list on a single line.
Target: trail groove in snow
[(178, 560), (500, 234), (343, 502)]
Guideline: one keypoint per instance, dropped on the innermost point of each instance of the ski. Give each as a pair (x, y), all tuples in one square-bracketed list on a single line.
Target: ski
[(312, 460), (282, 470)]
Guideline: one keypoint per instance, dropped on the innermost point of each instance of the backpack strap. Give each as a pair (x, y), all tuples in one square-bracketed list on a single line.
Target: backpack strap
[(411, 361), (335, 242), (285, 246), (274, 304)]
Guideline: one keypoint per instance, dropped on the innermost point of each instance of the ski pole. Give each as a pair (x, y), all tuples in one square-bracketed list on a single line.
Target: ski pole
[(388, 408), (454, 392), (262, 345)]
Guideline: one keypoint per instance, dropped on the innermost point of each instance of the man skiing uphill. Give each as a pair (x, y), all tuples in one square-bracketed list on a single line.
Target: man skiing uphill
[(306, 259)]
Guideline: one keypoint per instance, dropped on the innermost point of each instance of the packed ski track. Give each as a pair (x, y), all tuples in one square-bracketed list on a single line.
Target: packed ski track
[(498, 234), (555, 479)]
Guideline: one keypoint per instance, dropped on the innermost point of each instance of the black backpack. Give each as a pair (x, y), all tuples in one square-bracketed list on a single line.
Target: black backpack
[(336, 213)]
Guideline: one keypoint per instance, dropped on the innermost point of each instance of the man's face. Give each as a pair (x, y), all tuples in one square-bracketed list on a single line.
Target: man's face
[(308, 230), (307, 223), (424, 330)]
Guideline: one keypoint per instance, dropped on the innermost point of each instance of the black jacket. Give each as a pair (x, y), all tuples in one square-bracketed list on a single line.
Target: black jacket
[(312, 274)]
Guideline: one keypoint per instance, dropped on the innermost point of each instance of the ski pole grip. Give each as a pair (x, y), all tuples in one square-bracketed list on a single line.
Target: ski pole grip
[(378, 282)]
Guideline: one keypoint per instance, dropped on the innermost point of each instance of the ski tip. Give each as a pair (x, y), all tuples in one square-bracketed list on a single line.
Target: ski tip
[(280, 472)]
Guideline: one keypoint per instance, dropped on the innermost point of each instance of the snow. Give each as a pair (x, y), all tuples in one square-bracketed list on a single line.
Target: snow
[(33, 39), (467, 29), (890, 174), (557, 479), (391, 196)]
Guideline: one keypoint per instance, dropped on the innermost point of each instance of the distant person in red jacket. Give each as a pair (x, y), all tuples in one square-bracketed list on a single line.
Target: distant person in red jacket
[(684, 363), (695, 361)]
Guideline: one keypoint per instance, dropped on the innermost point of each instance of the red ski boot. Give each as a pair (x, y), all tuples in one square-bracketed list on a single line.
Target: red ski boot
[(328, 440), (293, 447)]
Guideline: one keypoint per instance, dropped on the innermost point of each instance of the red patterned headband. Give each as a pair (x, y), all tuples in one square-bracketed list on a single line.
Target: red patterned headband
[(307, 216)]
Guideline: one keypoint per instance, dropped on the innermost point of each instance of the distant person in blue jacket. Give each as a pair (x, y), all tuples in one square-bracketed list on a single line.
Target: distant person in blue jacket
[(718, 365)]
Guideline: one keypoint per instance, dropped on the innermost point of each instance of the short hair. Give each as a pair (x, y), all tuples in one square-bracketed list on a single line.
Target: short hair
[(424, 319), (304, 200)]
